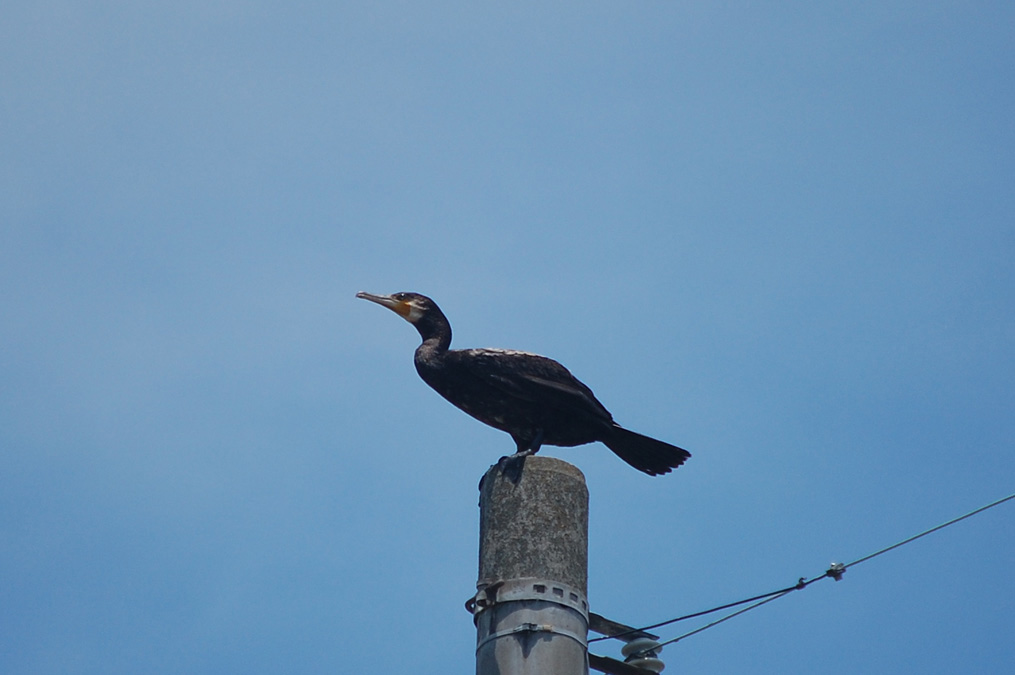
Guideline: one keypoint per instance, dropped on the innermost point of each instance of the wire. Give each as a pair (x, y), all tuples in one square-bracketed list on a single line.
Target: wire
[(726, 618), (696, 614), (933, 529), (834, 571)]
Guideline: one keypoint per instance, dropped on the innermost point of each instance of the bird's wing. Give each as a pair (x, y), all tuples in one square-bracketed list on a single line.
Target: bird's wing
[(533, 378)]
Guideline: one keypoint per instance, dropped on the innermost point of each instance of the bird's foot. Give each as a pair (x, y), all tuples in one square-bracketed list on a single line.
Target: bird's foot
[(511, 466)]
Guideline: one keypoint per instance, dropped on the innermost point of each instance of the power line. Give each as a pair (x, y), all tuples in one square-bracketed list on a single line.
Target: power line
[(695, 614), (834, 571), (933, 529)]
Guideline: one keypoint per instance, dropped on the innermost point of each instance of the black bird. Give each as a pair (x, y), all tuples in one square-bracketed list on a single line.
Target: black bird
[(533, 398)]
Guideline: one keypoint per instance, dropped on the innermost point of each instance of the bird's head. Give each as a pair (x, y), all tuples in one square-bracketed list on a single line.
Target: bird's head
[(410, 306)]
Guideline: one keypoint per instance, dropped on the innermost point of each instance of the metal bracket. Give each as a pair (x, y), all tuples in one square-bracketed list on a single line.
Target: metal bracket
[(529, 588), (533, 628)]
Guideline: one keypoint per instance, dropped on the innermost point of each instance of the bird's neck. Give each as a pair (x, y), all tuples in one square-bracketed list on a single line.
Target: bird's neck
[(431, 351), (436, 339)]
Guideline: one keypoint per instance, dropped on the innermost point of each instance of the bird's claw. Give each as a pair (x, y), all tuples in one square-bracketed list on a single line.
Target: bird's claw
[(511, 465)]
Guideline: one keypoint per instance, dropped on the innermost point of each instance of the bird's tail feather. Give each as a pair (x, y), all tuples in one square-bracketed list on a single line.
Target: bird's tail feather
[(644, 453)]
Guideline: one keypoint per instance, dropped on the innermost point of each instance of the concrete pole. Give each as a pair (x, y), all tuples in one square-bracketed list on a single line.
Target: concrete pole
[(531, 609)]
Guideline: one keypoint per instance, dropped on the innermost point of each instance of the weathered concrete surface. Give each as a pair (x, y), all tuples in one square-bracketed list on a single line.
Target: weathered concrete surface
[(537, 528)]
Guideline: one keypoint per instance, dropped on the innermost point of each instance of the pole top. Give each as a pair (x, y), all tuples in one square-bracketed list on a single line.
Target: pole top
[(535, 528), (536, 463)]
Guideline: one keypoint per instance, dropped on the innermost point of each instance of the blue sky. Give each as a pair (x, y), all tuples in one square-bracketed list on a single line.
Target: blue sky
[(781, 237)]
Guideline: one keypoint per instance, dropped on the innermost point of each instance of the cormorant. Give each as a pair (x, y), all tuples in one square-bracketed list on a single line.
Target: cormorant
[(533, 398)]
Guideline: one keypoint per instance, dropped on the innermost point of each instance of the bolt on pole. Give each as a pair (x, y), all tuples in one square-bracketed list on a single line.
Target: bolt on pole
[(531, 608)]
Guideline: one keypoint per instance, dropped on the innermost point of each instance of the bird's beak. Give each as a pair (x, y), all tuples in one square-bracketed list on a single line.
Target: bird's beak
[(399, 307)]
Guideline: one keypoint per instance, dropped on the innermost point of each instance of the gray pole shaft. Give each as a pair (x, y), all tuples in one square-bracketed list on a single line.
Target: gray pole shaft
[(531, 610)]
